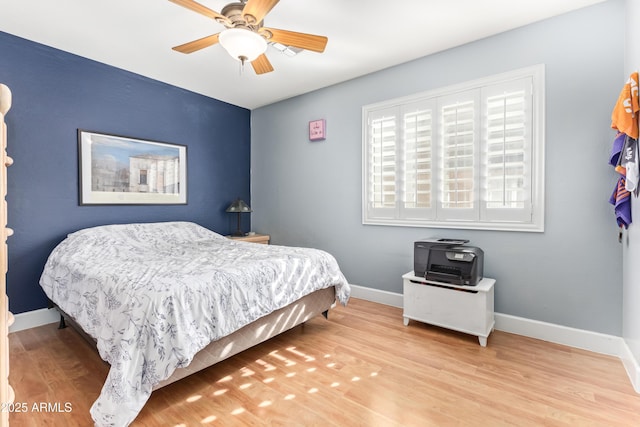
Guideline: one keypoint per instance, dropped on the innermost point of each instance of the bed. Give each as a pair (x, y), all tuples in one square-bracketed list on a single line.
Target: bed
[(164, 300)]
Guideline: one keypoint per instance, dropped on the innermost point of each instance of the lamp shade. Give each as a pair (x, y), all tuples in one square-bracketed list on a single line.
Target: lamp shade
[(239, 206), (241, 44)]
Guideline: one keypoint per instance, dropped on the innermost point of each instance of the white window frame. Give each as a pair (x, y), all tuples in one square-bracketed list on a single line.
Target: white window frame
[(478, 215)]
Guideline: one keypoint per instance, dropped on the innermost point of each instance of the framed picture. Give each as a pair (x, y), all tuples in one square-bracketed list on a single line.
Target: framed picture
[(118, 170)]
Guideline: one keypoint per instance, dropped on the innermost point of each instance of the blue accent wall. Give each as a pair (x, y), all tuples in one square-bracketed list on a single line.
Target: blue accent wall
[(54, 94)]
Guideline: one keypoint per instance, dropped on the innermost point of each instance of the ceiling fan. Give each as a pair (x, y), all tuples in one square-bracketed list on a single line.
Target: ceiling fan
[(245, 38)]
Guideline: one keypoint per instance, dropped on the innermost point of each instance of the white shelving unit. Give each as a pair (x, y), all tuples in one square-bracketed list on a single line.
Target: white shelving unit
[(466, 309)]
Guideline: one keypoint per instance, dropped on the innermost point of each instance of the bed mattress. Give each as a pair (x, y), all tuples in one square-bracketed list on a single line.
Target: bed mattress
[(154, 295)]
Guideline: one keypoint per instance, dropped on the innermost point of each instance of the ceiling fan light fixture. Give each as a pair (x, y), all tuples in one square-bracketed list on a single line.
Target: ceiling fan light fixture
[(243, 45)]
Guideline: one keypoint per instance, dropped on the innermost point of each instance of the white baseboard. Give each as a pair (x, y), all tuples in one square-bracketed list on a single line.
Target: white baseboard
[(375, 295), (632, 366), (578, 338), (35, 318), (572, 337)]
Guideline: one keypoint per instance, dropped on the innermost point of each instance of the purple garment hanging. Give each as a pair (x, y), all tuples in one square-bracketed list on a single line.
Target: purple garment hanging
[(621, 200), (618, 143)]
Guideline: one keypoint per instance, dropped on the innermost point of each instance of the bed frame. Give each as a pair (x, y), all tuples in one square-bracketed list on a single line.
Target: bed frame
[(260, 330)]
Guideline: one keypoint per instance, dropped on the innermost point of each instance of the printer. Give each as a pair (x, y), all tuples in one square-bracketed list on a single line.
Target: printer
[(448, 261)]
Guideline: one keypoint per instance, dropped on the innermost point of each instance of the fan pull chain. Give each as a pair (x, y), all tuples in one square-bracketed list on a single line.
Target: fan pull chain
[(242, 61)]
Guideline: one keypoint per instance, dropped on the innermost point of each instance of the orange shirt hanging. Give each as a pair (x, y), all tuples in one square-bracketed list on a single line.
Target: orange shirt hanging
[(625, 114)]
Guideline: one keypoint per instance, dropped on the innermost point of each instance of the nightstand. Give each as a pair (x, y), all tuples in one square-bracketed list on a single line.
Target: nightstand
[(255, 238)]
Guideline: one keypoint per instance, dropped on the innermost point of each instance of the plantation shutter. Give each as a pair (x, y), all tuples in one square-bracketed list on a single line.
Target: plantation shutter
[(382, 156), (417, 178), (506, 173), (458, 156), (468, 156)]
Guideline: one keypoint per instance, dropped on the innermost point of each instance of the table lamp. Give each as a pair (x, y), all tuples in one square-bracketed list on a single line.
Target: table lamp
[(238, 206)]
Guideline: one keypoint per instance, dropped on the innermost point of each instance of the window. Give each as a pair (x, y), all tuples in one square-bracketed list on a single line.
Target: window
[(466, 156), (143, 177)]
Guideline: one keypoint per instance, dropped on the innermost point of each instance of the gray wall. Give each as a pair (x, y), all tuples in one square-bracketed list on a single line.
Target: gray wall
[(631, 275), (309, 193)]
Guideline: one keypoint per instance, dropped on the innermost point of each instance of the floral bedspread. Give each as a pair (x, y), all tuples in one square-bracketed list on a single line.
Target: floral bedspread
[(152, 295)]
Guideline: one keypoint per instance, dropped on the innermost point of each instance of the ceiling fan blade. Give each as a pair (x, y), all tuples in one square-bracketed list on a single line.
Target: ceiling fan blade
[(197, 7), (301, 40), (261, 64), (197, 44), (255, 10)]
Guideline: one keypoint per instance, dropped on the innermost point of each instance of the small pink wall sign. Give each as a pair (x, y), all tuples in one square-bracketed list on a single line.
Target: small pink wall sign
[(317, 130)]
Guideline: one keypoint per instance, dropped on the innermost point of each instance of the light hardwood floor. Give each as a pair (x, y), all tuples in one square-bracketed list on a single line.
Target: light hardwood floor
[(361, 367)]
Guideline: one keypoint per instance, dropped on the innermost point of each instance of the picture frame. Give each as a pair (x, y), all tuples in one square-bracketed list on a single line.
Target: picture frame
[(317, 130), (121, 170)]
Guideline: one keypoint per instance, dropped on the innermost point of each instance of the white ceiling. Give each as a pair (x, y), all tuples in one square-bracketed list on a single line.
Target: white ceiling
[(364, 36)]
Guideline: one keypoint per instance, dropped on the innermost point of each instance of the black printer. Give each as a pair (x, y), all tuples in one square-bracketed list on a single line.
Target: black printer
[(448, 261)]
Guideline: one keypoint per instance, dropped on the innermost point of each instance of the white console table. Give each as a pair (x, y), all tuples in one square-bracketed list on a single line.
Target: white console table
[(466, 309)]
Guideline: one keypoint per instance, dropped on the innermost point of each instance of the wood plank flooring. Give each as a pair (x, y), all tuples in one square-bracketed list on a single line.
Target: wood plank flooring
[(362, 367)]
